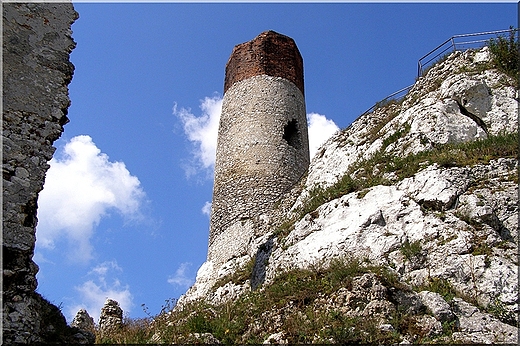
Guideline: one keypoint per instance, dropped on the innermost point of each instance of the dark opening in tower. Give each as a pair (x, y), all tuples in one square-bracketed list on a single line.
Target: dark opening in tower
[(291, 134)]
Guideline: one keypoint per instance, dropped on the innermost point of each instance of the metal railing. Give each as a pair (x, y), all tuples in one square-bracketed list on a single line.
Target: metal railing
[(459, 42), (454, 43), (399, 94)]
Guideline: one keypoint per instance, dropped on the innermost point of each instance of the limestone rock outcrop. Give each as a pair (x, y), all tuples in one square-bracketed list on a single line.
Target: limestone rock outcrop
[(453, 102), (36, 72), (445, 223)]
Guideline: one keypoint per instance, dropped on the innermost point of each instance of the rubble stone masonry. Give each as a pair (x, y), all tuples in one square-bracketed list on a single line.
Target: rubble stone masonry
[(263, 147), (36, 72)]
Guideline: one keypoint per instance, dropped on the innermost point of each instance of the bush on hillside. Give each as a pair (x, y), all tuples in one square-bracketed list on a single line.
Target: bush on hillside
[(505, 52)]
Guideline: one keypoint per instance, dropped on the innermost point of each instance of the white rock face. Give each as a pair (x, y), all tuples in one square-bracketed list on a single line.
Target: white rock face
[(377, 225), (440, 309), (432, 111), (477, 327)]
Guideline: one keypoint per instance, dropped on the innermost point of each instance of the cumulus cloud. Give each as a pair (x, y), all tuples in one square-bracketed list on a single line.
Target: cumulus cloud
[(320, 129), (80, 188), (206, 209), (102, 284), (202, 131), (181, 278), (102, 269)]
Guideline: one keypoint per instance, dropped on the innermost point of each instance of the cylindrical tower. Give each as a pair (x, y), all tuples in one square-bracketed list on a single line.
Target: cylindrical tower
[(263, 146)]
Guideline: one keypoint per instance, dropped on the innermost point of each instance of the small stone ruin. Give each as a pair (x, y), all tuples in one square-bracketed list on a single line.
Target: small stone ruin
[(111, 318)]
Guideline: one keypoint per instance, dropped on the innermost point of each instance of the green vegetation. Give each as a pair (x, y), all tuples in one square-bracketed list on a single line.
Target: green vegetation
[(133, 331), (448, 155), (441, 286), (319, 195), (498, 309), (505, 53), (396, 135), (411, 250), (239, 276), (292, 295), (391, 110), (444, 241), (285, 228)]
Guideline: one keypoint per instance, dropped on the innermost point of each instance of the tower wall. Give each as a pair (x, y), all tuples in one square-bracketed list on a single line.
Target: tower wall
[(263, 147)]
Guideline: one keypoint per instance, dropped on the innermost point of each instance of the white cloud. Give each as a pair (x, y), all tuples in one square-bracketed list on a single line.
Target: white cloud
[(80, 188), (181, 277), (102, 269), (206, 209), (320, 129), (103, 284), (202, 132)]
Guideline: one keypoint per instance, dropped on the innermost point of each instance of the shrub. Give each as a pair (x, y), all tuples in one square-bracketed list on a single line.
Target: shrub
[(396, 135), (410, 250), (505, 53), (441, 286)]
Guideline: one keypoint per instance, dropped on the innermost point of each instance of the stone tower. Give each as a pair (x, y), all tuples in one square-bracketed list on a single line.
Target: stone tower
[(263, 146)]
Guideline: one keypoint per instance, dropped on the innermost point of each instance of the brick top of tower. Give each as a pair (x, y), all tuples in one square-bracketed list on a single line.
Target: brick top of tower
[(270, 53)]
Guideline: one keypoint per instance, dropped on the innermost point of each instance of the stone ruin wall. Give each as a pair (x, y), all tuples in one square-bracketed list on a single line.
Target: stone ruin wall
[(37, 42), (262, 148)]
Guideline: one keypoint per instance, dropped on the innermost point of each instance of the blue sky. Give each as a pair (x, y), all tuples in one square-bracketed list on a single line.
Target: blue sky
[(124, 210)]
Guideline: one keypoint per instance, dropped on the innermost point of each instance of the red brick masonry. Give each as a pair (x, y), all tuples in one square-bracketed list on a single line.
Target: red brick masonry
[(269, 53)]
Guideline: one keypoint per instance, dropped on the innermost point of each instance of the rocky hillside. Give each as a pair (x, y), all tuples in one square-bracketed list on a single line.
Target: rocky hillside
[(405, 229)]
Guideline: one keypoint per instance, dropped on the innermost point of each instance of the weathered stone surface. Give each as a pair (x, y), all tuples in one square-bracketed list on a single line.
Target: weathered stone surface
[(85, 324), (275, 338), (435, 188), (352, 225), (36, 72), (204, 338), (111, 318), (431, 111), (426, 326), (439, 308), (478, 327), (377, 225)]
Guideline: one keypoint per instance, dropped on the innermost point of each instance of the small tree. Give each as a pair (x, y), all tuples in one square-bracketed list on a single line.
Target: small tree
[(505, 53)]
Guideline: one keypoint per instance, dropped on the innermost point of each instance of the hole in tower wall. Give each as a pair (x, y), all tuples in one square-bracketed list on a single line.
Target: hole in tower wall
[(291, 134)]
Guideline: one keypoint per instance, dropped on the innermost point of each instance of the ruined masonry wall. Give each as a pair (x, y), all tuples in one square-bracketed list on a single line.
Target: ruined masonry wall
[(36, 72)]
